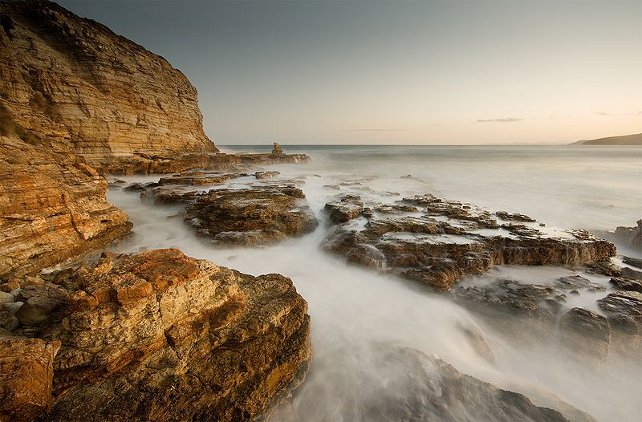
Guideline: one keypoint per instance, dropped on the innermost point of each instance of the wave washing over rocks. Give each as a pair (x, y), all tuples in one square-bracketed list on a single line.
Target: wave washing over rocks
[(361, 296)]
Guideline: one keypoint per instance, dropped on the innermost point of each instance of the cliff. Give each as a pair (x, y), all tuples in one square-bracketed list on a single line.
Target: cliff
[(77, 87), (52, 207)]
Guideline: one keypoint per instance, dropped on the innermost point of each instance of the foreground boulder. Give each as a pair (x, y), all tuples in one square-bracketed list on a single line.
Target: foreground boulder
[(438, 242), (160, 336)]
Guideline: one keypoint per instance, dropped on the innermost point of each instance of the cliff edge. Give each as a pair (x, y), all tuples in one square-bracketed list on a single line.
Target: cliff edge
[(74, 85)]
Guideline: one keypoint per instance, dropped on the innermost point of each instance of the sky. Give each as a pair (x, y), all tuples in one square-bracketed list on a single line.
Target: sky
[(398, 72)]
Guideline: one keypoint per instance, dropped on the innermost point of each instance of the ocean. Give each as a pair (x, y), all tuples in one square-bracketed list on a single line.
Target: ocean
[(356, 312)]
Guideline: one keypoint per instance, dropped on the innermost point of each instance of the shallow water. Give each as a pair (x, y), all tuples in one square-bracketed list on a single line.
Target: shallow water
[(354, 311)]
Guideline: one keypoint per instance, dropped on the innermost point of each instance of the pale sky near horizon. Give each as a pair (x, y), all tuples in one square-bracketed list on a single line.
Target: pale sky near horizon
[(370, 72)]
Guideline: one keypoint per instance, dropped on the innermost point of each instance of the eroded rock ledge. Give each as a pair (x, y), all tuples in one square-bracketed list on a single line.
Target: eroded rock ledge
[(161, 336), (438, 242), (52, 207)]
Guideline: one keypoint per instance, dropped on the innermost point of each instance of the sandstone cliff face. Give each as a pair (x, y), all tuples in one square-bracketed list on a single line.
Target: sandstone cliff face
[(78, 87), (52, 207)]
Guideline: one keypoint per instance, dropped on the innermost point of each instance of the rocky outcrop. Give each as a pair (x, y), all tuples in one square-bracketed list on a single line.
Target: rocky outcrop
[(438, 242), (345, 208), (160, 336), (630, 236), (409, 385), (52, 207), (78, 87), (250, 217)]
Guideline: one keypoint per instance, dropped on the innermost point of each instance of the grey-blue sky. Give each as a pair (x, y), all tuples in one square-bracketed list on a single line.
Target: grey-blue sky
[(398, 72)]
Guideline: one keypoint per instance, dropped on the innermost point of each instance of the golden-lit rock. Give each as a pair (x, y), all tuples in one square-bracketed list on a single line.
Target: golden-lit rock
[(161, 336)]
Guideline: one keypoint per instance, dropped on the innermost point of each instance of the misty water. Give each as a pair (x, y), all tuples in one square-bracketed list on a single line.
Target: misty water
[(358, 312)]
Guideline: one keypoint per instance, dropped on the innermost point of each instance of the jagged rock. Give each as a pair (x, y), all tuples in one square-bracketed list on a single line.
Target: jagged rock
[(630, 236), (447, 240), (624, 308), (26, 370), (623, 311), (512, 297), (514, 217), (586, 333), (73, 83), (622, 283), (345, 208), (139, 187), (52, 207), (160, 336), (261, 175), (254, 216)]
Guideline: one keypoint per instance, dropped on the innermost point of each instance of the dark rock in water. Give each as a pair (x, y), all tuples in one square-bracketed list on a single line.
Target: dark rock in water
[(250, 217), (575, 282), (631, 273), (604, 267), (409, 385), (623, 306), (634, 262), (261, 175), (198, 178), (630, 236), (622, 283), (139, 187), (344, 209), (586, 332), (508, 296), (623, 311), (447, 240), (514, 217)]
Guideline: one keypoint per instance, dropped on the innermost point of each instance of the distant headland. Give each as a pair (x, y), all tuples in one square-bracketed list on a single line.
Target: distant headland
[(635, 139)]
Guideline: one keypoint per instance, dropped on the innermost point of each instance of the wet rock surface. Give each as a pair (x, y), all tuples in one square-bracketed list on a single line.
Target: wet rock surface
[(586, 333), (412, 386), (444, 240), (250, 217), (345, 208), (157, 336)]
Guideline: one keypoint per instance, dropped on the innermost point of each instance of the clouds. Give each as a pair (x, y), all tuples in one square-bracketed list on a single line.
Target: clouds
[(376, 130), (500, 120)]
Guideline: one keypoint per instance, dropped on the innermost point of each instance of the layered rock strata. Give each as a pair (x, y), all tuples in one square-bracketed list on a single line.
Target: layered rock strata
[(251, 217), (438, 242), (75, 85), (52, 207), (160, 336)]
